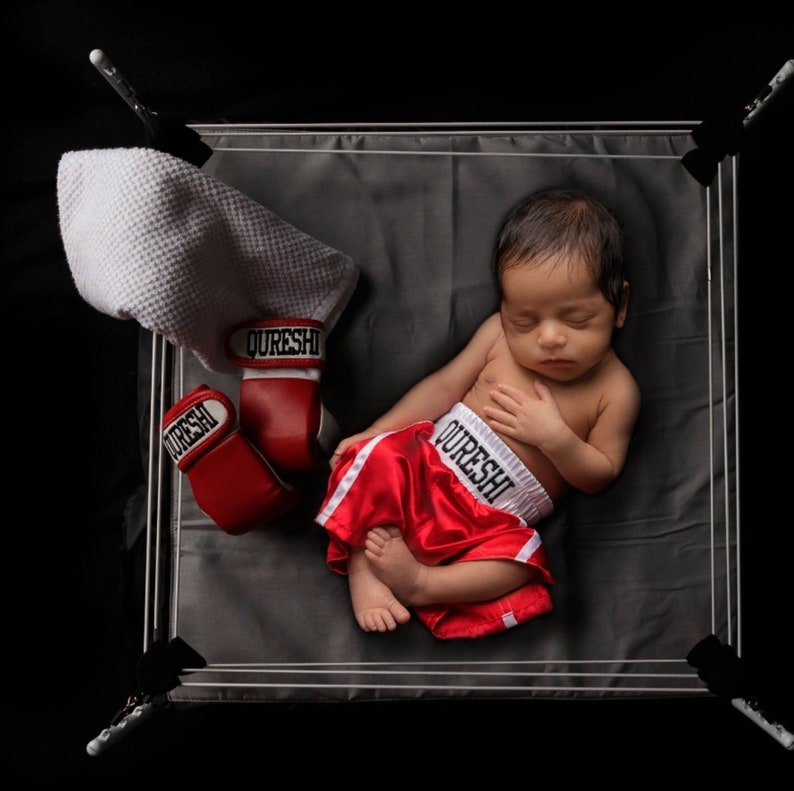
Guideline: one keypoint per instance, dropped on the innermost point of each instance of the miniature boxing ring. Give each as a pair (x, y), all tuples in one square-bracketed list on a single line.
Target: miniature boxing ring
[(643, 571)]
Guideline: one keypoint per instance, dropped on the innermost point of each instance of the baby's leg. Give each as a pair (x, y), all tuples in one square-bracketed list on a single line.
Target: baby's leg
[(375, 606), (416, 584), (394, 564)]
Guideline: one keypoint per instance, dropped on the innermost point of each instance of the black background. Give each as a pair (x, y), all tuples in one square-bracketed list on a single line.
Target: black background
[(71, 616)]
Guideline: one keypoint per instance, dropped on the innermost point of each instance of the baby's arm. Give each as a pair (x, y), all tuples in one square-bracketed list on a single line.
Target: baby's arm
[(434, 395), (590, 464), (593, 464), (348, 441)]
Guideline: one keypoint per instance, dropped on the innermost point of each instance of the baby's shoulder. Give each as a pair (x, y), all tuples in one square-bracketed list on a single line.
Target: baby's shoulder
[(488, 332), (619, 382), (492, 324)]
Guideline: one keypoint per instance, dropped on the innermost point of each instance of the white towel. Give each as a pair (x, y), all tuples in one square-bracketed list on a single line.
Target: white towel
[(151, 237)]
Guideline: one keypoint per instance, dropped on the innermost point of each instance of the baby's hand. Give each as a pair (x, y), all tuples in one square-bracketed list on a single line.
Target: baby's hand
[(347, 442), (535, 421)]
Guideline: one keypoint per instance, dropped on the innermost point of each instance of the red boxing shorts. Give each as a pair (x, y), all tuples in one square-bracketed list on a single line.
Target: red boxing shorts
[(458, 493)]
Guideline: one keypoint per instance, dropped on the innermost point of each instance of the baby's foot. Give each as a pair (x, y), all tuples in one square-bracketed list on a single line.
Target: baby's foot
[(374, 605), (394, 564)]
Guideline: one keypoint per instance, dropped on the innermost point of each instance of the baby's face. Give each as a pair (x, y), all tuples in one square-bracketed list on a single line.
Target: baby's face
[(555, 318)]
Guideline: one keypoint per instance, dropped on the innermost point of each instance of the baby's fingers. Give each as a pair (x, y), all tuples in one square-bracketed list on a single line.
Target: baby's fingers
[(507, 397), (499, 419)]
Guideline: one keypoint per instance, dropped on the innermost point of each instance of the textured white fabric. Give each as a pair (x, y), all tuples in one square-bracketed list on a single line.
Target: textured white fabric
[(151, 237)]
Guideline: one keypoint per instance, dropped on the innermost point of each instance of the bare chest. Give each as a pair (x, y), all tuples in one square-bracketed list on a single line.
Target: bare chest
[(578, 402)]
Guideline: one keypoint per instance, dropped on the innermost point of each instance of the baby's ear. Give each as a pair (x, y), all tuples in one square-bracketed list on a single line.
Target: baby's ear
[(620, 313)]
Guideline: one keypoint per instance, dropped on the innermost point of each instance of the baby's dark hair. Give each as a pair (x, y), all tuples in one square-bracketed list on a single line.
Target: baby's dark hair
[(565, 222)]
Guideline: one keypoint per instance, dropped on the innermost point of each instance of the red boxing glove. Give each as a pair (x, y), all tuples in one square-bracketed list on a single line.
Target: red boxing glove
[(281, 408), (231, 482)]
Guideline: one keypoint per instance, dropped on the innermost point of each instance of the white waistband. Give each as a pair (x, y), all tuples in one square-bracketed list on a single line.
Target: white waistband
[(487, 466)]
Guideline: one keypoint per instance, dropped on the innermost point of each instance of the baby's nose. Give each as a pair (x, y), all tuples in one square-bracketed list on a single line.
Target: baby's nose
[(551, 335)]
